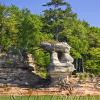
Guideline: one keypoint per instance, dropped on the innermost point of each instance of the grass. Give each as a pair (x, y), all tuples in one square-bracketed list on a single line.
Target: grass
[(50, 98)]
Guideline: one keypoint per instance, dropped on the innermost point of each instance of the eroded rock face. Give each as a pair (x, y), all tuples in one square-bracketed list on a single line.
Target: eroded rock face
[(61, 61), (15, 72), (60, 46), (30, 61), (64, 64)]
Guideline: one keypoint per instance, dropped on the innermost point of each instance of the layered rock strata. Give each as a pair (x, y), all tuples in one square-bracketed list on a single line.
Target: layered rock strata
[(60, 60)]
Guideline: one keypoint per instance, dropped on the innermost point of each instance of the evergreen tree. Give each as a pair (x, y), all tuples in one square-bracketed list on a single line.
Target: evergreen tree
[(55, 17)]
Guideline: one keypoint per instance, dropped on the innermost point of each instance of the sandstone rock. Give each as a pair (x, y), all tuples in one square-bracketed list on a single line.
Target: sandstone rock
[(60, 46), (61, 61), (65, 63), (14, 71), (31, 62)]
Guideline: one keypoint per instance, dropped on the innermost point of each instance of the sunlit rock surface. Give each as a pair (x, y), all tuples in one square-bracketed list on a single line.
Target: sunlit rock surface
[(61, 63)]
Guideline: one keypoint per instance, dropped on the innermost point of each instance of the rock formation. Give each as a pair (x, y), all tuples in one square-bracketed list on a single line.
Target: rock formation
[(61, 61), (30, 62), (15, 72)]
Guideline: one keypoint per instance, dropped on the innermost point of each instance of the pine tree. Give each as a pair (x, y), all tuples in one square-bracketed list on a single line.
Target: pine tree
[(54, 17)]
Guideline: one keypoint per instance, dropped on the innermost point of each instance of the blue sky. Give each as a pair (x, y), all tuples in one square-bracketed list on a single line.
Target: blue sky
[(88, 10)]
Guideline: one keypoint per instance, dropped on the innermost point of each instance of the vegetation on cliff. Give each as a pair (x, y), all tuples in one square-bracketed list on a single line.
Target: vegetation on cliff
[(25, 31)]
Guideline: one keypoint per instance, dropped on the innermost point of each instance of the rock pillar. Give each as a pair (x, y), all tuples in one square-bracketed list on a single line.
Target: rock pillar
[(61, 64)]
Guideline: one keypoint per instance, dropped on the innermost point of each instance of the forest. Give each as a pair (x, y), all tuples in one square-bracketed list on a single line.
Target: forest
[(21, 29)]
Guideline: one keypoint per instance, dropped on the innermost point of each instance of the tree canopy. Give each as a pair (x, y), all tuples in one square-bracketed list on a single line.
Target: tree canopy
[(24, 30)]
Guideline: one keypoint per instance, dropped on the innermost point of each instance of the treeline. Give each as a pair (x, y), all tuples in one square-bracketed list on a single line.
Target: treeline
[(25, 31)]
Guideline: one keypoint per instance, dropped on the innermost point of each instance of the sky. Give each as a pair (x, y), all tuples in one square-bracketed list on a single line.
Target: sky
[(88, 10)]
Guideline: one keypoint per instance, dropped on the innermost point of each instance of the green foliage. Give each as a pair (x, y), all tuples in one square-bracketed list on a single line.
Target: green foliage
[(55, 17), (93, 64), (9, 23), (92, 67), (9, 62), (42, 57), (83, 76), (95, 53), (94, 37), (24, 30), (63, 24)]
